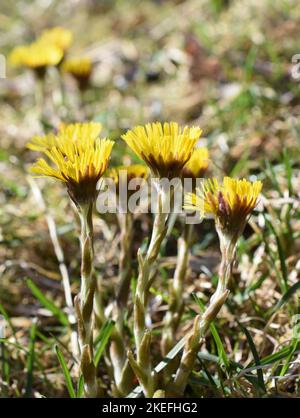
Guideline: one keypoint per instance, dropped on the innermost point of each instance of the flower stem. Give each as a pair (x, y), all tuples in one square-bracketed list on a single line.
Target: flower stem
[(99, 314), (142, 364), (122, 371), (126, 227), (176, 303), (202, 323), (84, 303)]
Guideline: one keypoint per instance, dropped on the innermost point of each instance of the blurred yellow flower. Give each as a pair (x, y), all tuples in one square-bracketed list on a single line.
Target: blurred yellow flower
[(197, 164), (57, 36), (132, 171), (165, 148), (83, 129), (230, 203), (122, 175), (72, 131), (80, 68), (36, 55), (79, 159)]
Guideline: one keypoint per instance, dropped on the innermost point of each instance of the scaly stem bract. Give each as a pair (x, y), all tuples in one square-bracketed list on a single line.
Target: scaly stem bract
[(84, 305)]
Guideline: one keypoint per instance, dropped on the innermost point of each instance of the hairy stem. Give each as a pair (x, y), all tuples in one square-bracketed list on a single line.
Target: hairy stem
[(176, 303), (99, 314), (202, 323), (126, 228), (142, 364), (84, 303), (122, 371)]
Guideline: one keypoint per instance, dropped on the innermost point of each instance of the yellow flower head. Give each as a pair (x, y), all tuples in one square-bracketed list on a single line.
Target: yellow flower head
[(79, 158), (122, 175), (72, 131), (36, 56), (230, 203), (58, 36), (80, 68), (197, 164), (165, 148)]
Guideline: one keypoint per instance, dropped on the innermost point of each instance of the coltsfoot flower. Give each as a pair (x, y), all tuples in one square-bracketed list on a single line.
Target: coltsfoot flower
[(79, 158), (127, 180), (37, 56), (80, 69), (72, 131), (58, 36), (230, 203), (197, 165), (165, 148), (122, 174)]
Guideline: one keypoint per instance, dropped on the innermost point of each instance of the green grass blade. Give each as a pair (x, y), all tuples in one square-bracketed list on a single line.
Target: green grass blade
[(80, 387), (288, 170), (293, 346), (288, 294), (30, 360), (220, 348), (8, 320), (5, 369), (260, 376), (234, 366), (66, 372), (15, 345), (249, 64), (272, 176), (206, 371), (47, 303), (278, 356), (240, 165), (103, 339), (281, 253)]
